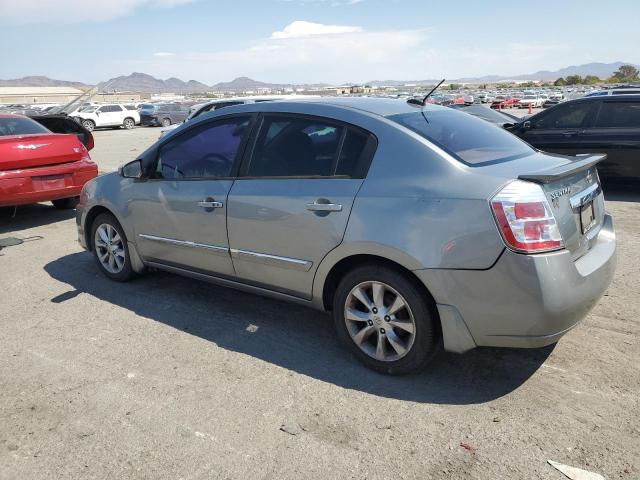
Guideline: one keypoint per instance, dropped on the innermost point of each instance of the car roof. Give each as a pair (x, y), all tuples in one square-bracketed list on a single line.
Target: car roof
[(378, 106)]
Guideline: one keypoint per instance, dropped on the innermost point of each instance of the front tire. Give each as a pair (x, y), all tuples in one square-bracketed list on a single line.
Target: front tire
[(166, 122), (128, 123), (110, 248), (386, 320), (66, 203)]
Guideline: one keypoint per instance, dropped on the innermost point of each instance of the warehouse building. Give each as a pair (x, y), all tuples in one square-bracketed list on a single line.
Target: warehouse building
[(32, 95)]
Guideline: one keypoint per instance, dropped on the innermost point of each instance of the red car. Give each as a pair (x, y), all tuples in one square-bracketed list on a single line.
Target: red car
[(37, 165), (505, 102)]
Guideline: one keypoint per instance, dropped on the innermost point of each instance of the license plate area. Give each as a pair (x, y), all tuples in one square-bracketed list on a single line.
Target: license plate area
[(587, 217)]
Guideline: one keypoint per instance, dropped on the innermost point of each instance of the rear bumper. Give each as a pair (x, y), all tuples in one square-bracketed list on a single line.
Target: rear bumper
[(523, 300), (23, 187)]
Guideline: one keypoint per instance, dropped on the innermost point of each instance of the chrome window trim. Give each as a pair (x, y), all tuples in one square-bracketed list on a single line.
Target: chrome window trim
[(185, 243), (272, 260)]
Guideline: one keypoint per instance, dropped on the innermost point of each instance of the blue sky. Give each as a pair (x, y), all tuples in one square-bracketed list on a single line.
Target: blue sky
[(310, 40)]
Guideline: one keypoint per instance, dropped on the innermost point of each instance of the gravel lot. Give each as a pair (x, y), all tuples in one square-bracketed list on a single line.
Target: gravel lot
[(167, 377)]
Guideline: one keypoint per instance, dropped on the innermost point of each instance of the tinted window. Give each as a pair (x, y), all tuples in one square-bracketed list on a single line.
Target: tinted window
[(357, 151), (130, 107), (618, 114), (467, 138), (295, 147), (20, 126), (203, 152), (569, 115)]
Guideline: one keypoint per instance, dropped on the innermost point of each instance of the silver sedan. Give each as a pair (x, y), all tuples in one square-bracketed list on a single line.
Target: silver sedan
[(414, 226)]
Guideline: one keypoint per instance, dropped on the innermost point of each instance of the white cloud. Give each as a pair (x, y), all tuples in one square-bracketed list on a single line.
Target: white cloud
[(301, 28), (305, 52), (74, 11), (333, 3)]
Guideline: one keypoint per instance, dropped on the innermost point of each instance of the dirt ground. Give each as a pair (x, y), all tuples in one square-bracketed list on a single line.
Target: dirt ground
[(168, 377)]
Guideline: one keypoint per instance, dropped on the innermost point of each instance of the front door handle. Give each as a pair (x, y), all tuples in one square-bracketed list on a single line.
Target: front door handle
[(324, 207), (569, 134), (209, 204)]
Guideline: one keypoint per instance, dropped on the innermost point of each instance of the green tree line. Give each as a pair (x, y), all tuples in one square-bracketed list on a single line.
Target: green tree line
[(625, 74)]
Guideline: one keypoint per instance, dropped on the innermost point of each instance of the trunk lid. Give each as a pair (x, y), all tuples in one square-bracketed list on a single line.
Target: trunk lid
[(28, 151), (574, 193)]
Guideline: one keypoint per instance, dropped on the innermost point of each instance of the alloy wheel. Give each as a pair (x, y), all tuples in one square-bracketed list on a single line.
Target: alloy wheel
[(379, 321), (109, 248)]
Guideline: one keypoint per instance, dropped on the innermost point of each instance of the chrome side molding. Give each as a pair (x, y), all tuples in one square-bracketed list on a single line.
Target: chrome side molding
[(273, 260), (185, 243)]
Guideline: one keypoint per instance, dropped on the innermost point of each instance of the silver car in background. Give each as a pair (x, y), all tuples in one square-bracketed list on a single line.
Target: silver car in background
[(414, 226)]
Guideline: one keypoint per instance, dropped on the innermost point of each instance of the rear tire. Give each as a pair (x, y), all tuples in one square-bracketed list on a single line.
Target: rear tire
[(166, 122), (397, 332), (110, 248), (88, 124), (66, 203)]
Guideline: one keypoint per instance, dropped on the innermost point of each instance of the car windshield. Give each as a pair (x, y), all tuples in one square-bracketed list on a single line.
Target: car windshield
[(471, 140), (88, 109), (20, 126), (529, 97)]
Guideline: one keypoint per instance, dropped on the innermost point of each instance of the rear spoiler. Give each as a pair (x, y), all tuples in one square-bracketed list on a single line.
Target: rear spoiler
[(582, 162)]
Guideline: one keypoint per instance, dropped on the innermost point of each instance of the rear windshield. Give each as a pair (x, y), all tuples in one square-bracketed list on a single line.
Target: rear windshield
[(471, 140), (20, 126)]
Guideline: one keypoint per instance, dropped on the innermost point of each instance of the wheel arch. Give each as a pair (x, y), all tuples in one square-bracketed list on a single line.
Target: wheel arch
[(92, 214), (331, 278)]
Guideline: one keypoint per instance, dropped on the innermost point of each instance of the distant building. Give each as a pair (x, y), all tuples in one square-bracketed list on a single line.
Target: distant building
[(31, 95)]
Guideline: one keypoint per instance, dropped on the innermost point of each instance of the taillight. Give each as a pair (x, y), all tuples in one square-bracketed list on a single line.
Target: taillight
[(524, 218)]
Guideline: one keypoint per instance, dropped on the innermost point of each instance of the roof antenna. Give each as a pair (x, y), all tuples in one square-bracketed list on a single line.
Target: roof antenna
[(424, 100)]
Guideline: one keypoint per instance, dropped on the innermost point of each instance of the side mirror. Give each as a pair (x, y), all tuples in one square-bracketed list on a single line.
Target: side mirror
[(98, 113), (526, 125), (132, 169)]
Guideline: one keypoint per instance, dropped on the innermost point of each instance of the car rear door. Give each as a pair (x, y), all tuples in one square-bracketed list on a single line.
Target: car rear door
[(179, 214), (290, 205), (616, 132), (559, 129)]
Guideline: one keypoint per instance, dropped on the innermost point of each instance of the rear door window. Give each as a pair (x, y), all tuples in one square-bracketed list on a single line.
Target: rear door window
[(619, 115), (469, 139), (297, 146)]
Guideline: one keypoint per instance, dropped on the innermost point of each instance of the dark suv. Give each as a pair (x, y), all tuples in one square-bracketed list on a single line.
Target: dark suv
[(603, 124), (163, 114)]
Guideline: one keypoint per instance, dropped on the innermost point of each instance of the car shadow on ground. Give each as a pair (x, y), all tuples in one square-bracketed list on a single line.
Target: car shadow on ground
[(618, 193), (30, 216), (294, 337)]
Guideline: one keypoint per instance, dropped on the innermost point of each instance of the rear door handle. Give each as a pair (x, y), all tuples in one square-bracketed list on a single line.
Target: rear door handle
[(324, 207), (572, 133), (210, 204)]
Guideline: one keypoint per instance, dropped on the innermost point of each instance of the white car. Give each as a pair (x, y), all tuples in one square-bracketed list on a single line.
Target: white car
[(531, 100), (110, 115)]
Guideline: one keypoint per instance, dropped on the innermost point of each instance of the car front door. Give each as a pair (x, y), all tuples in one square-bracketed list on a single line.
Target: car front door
[(559, 129), (109, 115), (179, 213), (291, 203), (616, 132)]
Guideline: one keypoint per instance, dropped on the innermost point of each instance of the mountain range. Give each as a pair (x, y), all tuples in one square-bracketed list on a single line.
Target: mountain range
[(142, 82)]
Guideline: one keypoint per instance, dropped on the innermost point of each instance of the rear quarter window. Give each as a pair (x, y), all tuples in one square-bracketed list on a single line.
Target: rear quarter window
[(471, 140)]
